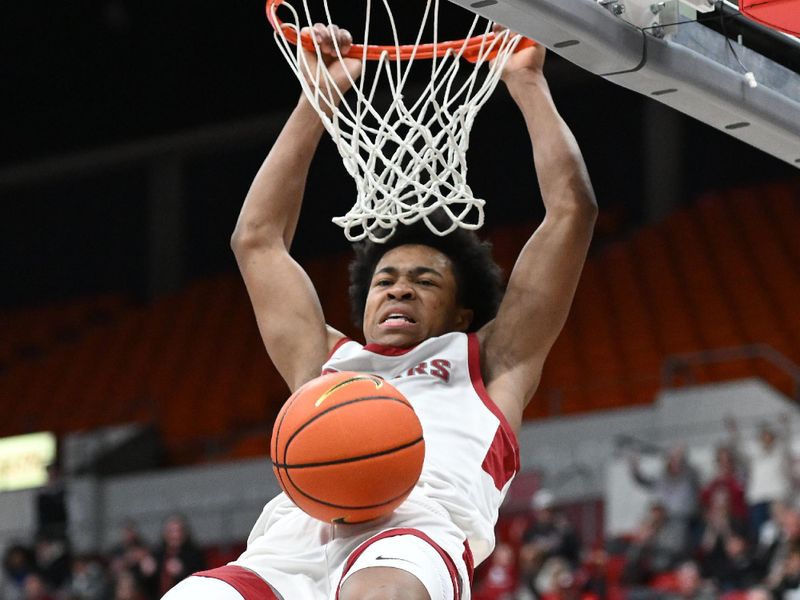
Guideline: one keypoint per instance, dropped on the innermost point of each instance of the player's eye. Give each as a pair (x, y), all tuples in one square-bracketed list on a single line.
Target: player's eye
[(383, 282), (426, 282)]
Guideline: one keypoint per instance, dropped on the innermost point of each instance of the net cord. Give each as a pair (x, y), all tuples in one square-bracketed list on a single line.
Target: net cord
[(408, 161)]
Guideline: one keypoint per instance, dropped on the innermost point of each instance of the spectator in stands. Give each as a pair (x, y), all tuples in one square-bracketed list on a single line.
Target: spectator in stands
[(132, 554), (127, 587), (658, 546), (719, 527), (771, 535), (52, 560), (685, 583), (177, 557), (758, 593), (89, 581), (736, 568), (730, 477), (785, 582), (550, 536), (555, 581), (677, 490), (768, 469), (51, 505), (18, 563), (133, 565), (690, 585), (500, 580), (35, 588), (775, 559), (594, 573), (559, 580)]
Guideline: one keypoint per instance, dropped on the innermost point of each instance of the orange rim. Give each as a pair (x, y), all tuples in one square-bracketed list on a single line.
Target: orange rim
[(472, 46)]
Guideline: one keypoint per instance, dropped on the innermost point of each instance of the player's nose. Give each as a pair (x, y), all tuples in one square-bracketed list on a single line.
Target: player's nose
[(400, 290)]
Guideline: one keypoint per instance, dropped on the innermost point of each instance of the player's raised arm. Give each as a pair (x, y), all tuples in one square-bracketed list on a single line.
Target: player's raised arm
[(543, 282), (286, 305)]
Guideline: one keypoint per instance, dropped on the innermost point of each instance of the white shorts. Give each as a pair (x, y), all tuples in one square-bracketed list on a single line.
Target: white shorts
[(292, 556), (414, 555)]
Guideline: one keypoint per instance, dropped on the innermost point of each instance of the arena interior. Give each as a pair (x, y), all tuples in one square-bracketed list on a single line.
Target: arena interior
[(132, 132)]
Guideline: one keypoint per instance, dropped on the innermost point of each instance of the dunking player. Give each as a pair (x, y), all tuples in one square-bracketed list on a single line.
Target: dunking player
[(432, 323)]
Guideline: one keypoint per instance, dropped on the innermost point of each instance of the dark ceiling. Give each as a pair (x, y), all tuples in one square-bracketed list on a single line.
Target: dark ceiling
[(90, 73)]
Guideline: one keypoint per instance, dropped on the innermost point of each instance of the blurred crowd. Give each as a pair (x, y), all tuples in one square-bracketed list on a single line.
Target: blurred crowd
[(132, 570), (735, 536)]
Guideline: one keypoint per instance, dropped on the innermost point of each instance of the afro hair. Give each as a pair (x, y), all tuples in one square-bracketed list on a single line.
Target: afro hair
[(479, 280)]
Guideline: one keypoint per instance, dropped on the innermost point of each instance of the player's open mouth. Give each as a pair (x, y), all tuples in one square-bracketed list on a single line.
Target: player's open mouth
[(397, 320)]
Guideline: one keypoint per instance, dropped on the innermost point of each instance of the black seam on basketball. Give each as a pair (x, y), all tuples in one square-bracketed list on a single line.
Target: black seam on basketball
[(341, 461), (332, 408), (344, 506), (285, 487), (290, 401), (277, 426)]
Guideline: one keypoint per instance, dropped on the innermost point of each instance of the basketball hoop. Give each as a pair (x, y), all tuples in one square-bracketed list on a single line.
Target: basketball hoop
[(409, 159)]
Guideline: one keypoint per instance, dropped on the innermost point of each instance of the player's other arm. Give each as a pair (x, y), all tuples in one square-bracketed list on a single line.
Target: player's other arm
[(543, 281), (286, 305)]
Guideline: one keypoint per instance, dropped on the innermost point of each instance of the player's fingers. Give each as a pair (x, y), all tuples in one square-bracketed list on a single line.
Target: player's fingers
[(332, 41), (311, 32), (328, 37), (322, 37), (345, 41), (342, 38), (308, 32)]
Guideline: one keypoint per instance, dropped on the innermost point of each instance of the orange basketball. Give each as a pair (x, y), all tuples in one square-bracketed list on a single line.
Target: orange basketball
[(347, 447)]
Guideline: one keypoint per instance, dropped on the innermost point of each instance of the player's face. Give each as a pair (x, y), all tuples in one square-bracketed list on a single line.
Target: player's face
[(412, 297)]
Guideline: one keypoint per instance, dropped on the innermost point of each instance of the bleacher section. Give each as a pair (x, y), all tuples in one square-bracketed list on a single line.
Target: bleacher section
[(724, 272)]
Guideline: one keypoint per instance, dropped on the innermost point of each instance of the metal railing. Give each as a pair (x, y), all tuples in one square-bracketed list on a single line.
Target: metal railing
[(677, 366)]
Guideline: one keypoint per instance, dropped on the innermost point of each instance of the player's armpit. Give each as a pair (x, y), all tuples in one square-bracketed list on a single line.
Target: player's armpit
[(535, 307)]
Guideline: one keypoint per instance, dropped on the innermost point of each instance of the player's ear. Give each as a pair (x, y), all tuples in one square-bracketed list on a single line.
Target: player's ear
[(464, 318)]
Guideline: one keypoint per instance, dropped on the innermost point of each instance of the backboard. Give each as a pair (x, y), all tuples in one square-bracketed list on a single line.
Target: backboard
[(664, 51)]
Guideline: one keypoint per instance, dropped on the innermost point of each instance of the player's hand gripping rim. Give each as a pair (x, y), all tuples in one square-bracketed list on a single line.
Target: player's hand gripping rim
[(333, 43)]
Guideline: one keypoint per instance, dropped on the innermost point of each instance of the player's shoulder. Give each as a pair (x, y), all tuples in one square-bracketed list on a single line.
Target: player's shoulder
[(335, 338)]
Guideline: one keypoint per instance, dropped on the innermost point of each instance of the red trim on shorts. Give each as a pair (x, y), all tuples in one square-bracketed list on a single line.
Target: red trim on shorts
[(244, 581), (502, 458), (337, 345), (469, 561), (451, 566)]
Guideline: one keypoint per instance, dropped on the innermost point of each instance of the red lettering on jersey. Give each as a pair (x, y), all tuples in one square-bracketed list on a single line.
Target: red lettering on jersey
[(441, 369), (420, 369)]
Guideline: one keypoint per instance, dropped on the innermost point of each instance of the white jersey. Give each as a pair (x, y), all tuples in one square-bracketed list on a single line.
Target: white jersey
[(471, 452), (471, 455)]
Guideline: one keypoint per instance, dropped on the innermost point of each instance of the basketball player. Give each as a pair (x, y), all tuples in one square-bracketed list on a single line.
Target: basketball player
[(468, 366)]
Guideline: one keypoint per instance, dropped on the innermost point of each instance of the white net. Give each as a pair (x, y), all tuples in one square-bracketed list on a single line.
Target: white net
[(408, 158)]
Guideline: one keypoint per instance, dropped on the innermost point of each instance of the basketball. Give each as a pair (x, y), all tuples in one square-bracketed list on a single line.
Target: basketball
[(347, 447)]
